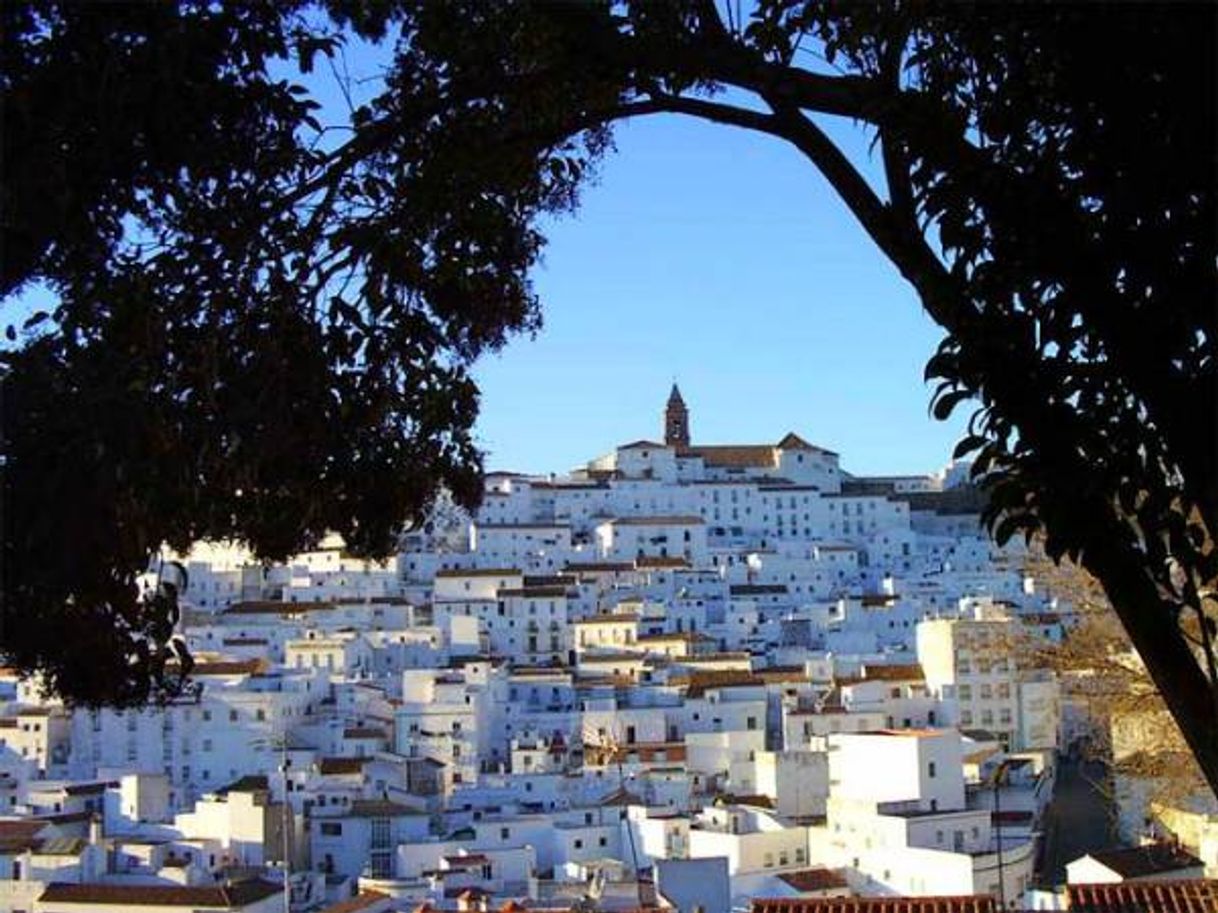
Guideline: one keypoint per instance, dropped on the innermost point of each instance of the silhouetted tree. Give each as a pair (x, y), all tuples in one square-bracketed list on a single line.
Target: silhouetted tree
[(267, 331)]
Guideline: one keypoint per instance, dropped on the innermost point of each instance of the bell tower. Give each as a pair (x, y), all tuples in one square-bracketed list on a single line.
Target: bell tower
[(676, 420)]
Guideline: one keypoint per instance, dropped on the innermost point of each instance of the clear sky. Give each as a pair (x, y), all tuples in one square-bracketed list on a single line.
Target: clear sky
[(720, 259)]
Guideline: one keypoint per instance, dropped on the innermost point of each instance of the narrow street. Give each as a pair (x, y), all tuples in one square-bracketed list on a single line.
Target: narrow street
[(1079, 820)]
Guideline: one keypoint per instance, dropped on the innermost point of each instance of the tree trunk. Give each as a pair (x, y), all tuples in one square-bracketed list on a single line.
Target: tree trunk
[(1151, 624)]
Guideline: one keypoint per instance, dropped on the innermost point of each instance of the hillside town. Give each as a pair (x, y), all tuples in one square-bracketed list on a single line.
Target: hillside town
[(683, 676)]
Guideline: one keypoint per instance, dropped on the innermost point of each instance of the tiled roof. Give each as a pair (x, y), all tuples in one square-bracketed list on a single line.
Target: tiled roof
[(621, 796), (968, 904), (219, 896), (592, 567), (341, 766), (734, 455), (753, 800), (379, 808), (225, 667), (1140, 861), (893, 672), (18, 835), (699, 682), (1167, 896), (815, 879), (660, 562), (361, 901)]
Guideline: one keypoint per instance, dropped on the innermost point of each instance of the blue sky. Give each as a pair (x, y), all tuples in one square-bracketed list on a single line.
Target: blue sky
[(721, 259)]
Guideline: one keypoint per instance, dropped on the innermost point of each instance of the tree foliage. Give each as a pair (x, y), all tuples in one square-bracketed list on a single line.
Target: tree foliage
[(272, 331)]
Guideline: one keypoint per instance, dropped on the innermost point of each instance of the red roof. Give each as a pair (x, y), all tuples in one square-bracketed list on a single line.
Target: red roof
[(970, 904), (19, 835), (815, 879), (232, 896), (1166, 896), (361, 901), (341, 766)]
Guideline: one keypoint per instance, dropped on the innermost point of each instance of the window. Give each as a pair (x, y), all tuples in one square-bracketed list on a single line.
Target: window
[(930, 770), (505, 833), (232, 716), (331, 829), (769, 860), (381, 833), (382, 865), (579, 844)]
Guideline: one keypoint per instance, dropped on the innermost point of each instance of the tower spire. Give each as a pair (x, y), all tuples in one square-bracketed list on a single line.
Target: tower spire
[(676, 420)]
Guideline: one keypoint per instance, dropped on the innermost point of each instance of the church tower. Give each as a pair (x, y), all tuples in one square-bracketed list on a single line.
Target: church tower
[(676, 420)]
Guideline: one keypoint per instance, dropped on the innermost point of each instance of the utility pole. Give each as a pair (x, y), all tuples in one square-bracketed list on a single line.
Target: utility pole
[(1002, 887), (285, 816)]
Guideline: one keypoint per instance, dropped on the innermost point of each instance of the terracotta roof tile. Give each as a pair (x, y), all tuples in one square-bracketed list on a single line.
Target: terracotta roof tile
[(341, 766), (361, 901), (893, 672), (738, 456), (217, 897), (815, 879), (660, 562), (1167, 896), (17, 835), (969, 904)]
